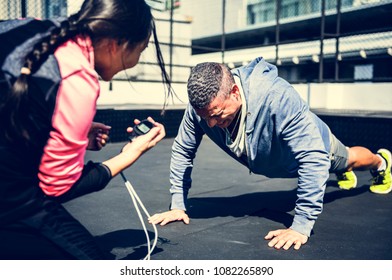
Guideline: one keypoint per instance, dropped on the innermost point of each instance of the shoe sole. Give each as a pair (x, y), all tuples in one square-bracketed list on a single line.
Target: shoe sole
[(382, 192)]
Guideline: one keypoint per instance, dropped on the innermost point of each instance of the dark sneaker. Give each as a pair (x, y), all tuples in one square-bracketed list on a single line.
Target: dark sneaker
[(382, 180), (347, 180)]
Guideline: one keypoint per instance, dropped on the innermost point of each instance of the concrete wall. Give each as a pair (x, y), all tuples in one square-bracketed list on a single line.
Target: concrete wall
[(207, 16), (125, 95), (356, 96)]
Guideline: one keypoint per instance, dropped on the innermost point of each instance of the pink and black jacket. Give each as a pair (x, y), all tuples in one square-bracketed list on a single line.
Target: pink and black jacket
[(61, 106)]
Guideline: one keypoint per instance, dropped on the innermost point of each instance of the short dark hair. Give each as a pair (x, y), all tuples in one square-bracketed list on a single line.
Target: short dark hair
[(206, 80)]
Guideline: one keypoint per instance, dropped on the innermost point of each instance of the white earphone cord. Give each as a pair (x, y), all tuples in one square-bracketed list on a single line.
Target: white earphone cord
[(135, 199)]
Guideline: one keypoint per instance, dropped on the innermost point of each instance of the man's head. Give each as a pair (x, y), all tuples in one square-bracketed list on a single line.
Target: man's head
[(213, 94)]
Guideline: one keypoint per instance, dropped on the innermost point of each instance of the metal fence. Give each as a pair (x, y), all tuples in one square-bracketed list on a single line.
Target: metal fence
[(310, 40), (147, 69), (11, 9)]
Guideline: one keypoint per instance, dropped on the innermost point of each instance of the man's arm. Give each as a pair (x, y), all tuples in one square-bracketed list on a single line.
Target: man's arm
[(303, 140), (183, 152)]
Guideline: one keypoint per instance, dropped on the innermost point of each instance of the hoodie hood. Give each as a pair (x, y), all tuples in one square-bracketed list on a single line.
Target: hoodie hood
[(257, 78)]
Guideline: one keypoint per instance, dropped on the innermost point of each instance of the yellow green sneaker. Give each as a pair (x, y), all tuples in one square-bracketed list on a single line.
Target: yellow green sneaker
[(347, 180), (382, 180)]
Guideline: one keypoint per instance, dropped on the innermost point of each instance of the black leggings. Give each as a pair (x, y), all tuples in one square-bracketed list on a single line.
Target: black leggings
[(51, 233)]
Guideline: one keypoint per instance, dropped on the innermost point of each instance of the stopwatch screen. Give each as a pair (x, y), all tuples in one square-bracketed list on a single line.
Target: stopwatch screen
[(143, 128)]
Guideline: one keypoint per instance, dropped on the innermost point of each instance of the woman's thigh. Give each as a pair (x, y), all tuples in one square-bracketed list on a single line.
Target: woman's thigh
[(51, 233)]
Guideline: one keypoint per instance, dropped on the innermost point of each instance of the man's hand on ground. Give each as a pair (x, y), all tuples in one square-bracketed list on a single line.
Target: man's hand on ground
[(286, 238), (169, 216)]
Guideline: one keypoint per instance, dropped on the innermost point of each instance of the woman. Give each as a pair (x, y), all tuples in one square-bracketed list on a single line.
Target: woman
[(48, 91)]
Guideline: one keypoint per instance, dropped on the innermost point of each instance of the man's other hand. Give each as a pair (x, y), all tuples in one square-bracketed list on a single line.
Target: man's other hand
[(169, 216), (285, 238)]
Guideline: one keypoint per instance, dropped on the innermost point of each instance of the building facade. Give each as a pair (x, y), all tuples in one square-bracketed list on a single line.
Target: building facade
[(310, 40)]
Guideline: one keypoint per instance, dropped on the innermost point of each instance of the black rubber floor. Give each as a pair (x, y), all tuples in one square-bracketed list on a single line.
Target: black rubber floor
[(231, 211)]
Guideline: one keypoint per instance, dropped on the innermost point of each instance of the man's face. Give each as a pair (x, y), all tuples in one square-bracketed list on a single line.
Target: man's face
[(222, 110)]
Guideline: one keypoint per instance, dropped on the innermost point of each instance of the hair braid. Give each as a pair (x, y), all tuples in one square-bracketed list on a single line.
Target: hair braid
[(15, 107), (130, 22)]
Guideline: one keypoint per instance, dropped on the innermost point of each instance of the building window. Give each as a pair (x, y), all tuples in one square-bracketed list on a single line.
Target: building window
[(260, 11), (289, 9), (55, 8), (363, 72)]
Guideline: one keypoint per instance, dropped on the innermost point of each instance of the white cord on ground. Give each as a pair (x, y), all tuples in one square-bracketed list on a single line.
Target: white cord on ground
[(136, 200)]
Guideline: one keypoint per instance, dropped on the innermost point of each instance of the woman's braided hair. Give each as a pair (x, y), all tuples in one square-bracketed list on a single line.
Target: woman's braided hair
[(127, 21), (14, 111)]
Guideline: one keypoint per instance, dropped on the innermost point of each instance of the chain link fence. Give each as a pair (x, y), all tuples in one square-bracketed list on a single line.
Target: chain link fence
[(12, 9), (262, 11), (310, 40), (355, 40), (175, 50)]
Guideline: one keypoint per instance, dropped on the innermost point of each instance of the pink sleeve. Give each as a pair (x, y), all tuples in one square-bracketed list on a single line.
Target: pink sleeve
[(63, 159)]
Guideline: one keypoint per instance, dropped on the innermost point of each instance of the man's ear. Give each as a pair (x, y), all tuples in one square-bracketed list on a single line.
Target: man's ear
[(235, 91)]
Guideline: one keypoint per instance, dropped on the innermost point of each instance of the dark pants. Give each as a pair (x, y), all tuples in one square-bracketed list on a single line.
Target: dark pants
[(51, 233)]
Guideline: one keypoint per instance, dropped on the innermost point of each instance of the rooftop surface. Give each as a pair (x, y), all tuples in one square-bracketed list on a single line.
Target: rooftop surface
[(231, 211)]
